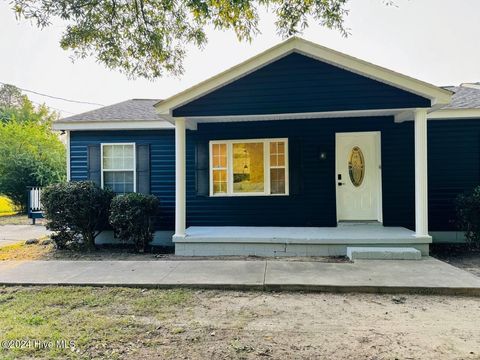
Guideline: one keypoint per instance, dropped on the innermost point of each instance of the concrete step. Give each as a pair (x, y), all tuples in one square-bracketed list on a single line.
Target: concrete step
[(383, 253)]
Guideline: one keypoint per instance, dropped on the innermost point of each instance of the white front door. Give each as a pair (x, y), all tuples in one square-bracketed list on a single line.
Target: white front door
[(358, 176)]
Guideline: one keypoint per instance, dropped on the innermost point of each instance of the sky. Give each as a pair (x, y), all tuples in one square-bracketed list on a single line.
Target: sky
[(437, 41)]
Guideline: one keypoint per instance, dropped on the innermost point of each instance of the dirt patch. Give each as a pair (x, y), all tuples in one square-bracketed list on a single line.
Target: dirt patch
[(127, 254), (41, 252), (458, 255), (121, 323)]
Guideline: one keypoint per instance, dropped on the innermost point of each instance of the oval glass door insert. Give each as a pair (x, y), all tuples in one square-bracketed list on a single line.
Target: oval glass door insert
[(356, 166)]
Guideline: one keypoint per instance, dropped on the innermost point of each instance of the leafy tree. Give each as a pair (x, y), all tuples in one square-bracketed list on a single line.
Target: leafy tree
[(30, 155), (10, 96), (16, 107), (147, 38)]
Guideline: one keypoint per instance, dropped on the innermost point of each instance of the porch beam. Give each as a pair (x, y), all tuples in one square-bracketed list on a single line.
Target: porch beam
[(421, 176), (180, 193)]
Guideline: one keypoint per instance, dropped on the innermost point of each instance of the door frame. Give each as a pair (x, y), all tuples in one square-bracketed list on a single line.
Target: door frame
[(378, 148)]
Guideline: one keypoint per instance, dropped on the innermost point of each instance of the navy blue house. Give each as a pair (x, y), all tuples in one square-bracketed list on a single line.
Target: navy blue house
[(300, 150)]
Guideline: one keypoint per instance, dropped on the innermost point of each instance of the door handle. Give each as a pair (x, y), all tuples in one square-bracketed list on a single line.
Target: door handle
[(341, 183)]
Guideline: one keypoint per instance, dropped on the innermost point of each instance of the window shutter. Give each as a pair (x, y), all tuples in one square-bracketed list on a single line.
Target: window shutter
[(94, 167), (295, 166), (202, 169), (143, 168)]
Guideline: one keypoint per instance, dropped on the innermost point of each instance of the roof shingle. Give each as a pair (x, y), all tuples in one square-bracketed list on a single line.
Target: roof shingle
[(465, 97), (133, 109)]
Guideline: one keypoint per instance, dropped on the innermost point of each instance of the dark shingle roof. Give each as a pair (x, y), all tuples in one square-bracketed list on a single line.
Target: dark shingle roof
[(133, 109), (466, 97)]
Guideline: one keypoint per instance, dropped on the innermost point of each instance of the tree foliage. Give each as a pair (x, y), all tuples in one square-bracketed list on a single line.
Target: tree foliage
[(10, 97), (17, 107), (148, 38), (31, 154)]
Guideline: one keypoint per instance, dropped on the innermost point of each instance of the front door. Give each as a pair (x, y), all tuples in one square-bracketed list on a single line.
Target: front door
[(358, 176)]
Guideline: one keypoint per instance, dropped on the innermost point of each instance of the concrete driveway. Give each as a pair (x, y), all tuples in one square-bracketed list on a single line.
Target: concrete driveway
[(11, 234)]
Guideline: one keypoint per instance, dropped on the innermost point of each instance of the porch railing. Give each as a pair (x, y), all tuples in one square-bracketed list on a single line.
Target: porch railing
[(35, 209)]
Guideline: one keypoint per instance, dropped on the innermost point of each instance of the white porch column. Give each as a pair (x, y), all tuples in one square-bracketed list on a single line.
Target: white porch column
[(180, 161), (421, 176)]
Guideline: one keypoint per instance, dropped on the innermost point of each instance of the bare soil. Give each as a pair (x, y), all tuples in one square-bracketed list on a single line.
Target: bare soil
[(121, 323), (41, 251), (460, 256), (310, 326)]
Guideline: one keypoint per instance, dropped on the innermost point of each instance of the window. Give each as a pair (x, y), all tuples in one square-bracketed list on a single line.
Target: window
[(249, 167), (118, 167), (277, 167), (356, 166), (219, 159)]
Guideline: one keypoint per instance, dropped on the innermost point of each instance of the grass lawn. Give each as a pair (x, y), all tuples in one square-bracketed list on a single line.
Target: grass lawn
[(16, 219), (124, 323), (20, 251), (6, 207), (102, 322)]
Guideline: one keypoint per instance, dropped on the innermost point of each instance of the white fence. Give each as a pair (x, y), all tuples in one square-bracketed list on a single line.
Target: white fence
[(35, 210)]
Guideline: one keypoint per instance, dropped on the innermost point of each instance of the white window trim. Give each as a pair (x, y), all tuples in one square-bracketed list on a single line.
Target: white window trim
[(266, 163), (134, 163)]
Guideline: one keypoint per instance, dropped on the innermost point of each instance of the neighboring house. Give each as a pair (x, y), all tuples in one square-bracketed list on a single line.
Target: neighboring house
[(300, 150)]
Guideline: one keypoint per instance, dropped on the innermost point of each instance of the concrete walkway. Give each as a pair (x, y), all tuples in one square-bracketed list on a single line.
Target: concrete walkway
[(10, 234), (384, 276)]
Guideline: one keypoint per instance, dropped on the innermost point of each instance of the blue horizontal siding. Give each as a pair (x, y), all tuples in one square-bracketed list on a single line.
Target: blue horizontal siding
[(162, 155), (297, 83), (453, 167), (316, 204), (453, 154)]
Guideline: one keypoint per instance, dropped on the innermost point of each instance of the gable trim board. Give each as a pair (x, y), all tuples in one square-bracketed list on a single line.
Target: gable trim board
[(439, 97), (113, 125), (451, 114)]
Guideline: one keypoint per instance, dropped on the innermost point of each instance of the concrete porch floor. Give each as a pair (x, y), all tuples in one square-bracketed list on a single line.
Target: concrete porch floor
[(293, 241)]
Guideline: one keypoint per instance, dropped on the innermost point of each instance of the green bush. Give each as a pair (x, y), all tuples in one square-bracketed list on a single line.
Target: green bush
[(132, 217), (468, 216), (77, 211)]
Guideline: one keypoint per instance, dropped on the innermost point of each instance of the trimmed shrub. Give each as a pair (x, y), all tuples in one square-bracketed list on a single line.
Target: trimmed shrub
[(468, 216), (132, 217), (77, 211)]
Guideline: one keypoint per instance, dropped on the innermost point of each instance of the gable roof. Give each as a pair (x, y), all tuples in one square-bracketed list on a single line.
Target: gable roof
[(438, 96), (133, 109)]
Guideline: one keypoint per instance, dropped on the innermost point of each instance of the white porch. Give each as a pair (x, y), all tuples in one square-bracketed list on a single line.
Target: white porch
[(293, 241)]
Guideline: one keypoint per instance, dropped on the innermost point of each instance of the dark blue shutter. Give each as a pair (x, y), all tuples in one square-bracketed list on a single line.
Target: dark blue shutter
[(202, 185), (94, 167), (143, 168)]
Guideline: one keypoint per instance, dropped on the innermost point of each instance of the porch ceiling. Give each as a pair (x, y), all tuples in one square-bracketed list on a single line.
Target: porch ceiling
[(399, 115)]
